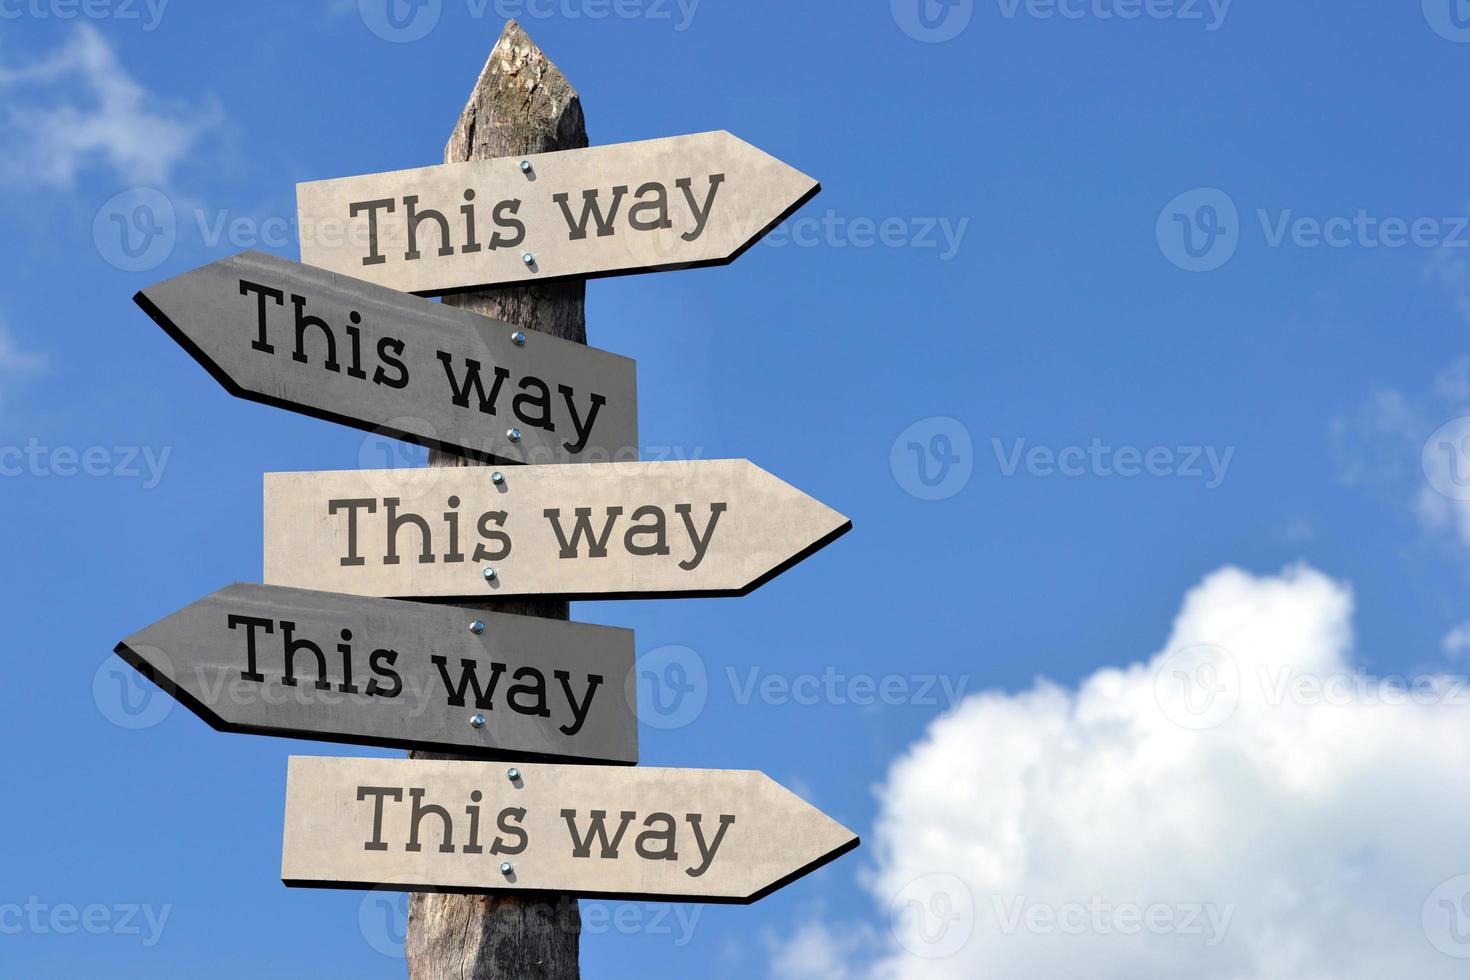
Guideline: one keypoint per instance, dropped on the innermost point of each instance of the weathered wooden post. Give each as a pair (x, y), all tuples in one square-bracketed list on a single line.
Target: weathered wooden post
[(521, 103)]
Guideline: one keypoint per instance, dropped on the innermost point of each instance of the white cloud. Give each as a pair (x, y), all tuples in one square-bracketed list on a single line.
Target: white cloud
[(1415, 450), (79, 108), (1457, 642), (1244, 805), (14, 360)]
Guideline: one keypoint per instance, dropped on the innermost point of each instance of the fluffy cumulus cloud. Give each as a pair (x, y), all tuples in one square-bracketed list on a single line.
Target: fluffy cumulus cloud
[(78, 108), (1245, 803)]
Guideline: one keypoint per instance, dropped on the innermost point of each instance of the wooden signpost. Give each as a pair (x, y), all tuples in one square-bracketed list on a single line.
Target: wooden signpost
[(325, 649), (675, 834), (340, 349), (273, 661), (616, 530), (630, 207)]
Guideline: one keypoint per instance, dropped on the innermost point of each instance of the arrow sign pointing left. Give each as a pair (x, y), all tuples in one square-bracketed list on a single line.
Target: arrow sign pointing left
[(288, 662), (286, 334), (625, 832)]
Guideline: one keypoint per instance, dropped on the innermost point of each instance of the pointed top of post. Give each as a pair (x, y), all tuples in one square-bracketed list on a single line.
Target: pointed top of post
[(521, 103)]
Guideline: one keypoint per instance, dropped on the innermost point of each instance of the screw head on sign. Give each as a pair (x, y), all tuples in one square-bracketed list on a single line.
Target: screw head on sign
[(477, 721), (525, 166), (506, 867), (518, 338), (497, 478), (489, 574), (512, 774), (528, 258), (514, 435), (477, 627)]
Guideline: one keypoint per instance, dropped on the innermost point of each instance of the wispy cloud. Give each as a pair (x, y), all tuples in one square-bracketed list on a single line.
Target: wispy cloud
[(78, 108)]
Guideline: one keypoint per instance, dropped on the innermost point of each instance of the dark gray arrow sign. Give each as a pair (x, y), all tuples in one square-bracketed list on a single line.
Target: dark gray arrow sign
[(286, 334), (289, 662)]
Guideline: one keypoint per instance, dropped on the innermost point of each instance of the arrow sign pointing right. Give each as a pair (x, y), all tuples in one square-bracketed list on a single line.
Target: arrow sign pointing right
[(633, 833), (603, 210), (288, 662), (615, 530), (286, 334)]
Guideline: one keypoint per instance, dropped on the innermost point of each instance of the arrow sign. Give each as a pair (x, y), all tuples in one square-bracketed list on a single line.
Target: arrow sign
[(269, 661), (633, 833), (285, 334), (613, 530), (629, 207)]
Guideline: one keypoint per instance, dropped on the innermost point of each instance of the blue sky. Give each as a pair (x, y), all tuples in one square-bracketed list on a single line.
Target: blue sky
[(1221, 247)]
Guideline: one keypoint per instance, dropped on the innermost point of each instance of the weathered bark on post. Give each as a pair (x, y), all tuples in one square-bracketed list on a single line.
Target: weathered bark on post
[(521, 104)]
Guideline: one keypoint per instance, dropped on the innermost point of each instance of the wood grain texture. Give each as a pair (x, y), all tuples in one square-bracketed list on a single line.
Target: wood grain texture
[(521, 103)]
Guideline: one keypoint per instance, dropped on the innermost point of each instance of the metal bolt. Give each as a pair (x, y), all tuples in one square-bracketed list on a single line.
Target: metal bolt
[(506, 867), (525, 166), (528, 258), (514, 435), (489, 574), (477, 721), (497, 478), (477, 627), (518, 338), (512, 774)]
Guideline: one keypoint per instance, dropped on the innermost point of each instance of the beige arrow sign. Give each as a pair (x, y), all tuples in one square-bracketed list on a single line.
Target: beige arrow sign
[(605, 210), (599, 530), (636, 833)]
